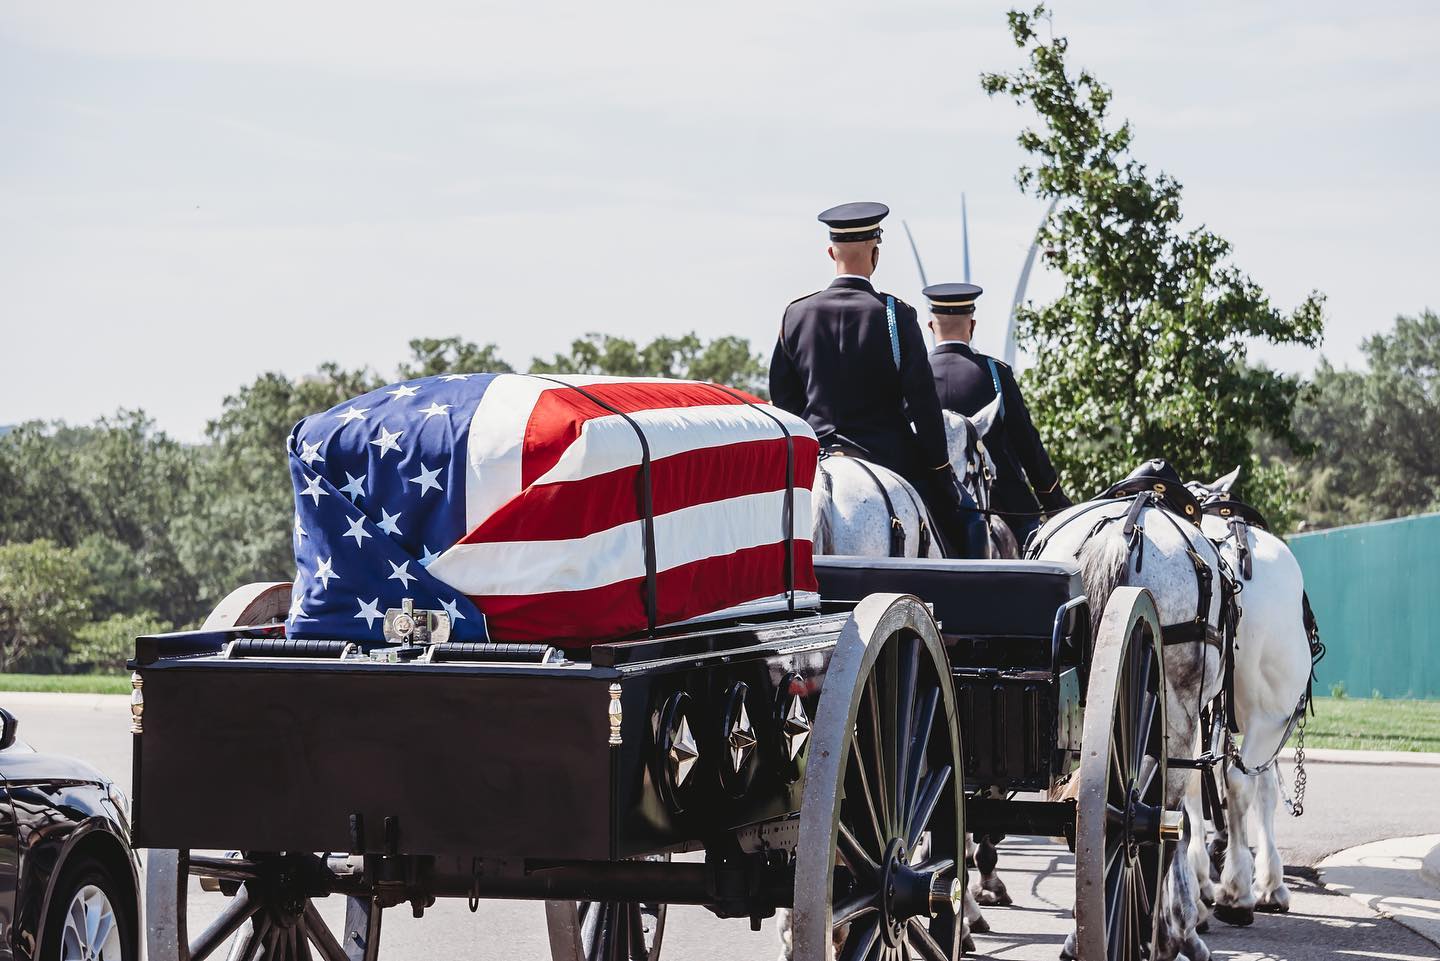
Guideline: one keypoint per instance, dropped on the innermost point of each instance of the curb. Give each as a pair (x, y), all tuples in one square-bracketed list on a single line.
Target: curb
[(1430, 866), (1396, 878), (1383, 758)]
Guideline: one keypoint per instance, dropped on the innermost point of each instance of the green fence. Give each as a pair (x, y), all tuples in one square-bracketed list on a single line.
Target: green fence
[(1375, 589)]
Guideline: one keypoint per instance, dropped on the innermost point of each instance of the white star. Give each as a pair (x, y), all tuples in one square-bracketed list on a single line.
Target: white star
[(403, 391), (453, 609), (370, 610), (356, 487), (309, 453), (357, 530), (386, 441), (427, 480), (299, 531), (313, 490), (325, 572), (449, 377), (400, 573), (297, 608), (429, 557), (354, 413), (387, 522), (434, 409)]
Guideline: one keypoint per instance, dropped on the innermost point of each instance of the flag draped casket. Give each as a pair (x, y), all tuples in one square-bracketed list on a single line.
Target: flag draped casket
[(566, 509)]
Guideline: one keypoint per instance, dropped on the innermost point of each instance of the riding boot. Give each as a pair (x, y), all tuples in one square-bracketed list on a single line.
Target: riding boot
[(961, 527)]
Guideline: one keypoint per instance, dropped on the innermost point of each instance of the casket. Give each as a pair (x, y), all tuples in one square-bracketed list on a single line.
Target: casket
[(565, 509)]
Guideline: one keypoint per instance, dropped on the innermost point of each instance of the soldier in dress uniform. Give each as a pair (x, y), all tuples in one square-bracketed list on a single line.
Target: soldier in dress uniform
[(852, 361), (966, 381)]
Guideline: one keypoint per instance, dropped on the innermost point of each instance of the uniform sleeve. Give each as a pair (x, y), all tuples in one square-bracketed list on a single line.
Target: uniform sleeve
[(1025, 442), (917, 384), (787, 387)]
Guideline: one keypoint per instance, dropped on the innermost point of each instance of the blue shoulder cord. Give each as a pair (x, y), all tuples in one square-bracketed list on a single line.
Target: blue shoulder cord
[(995, 379), (894, 330)]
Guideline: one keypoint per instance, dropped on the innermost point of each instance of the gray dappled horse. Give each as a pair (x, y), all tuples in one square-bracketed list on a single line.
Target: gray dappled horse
[(865, 510), (1169, 550)]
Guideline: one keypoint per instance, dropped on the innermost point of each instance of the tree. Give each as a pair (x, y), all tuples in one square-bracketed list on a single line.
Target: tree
[(1376, 431), (1143, 354), (451, 355), (112, 491), (724, 360), (103, 647), (43, 599)]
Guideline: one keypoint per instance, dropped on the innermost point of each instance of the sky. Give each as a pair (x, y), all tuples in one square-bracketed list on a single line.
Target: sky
[(192, 193)]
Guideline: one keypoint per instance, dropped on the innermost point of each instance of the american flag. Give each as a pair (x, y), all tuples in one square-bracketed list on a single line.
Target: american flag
[(510, 502)]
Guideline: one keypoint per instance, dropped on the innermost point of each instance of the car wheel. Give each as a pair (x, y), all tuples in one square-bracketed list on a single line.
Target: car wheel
[(89, 919)]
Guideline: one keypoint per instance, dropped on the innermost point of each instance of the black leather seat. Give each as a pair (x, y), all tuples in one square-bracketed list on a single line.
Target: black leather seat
[(971, 598)]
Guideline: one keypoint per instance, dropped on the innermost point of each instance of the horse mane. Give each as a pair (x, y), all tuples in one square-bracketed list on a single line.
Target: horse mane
[(821, 534)]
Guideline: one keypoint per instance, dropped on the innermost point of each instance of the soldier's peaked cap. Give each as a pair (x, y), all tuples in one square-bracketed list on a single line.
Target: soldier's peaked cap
[(952, 298), (850, 223)]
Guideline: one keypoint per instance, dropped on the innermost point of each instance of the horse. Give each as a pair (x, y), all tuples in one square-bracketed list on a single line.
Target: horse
[(1272, 671), (862, 509), (1137, 541)]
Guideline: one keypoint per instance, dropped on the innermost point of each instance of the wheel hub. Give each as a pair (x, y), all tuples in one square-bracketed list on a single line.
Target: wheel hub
[(906, 893)]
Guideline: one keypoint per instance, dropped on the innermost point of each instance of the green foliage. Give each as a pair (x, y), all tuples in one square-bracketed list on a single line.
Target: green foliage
[(1144, 353), (44, 599), (1376, 430), (446, 355), (103, 647), (724, 360)]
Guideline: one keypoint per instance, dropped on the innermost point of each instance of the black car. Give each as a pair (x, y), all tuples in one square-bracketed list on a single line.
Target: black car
[(68, 876)]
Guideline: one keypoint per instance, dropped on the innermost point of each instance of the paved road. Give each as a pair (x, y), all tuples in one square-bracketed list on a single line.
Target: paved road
[(1347, 805)]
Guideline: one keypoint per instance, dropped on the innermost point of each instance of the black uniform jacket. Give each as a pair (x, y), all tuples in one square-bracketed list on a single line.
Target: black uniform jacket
[(964, 385), (833, 366)]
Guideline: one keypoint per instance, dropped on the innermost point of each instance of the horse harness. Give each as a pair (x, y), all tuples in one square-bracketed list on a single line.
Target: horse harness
[(1173, 501), (897, 526)]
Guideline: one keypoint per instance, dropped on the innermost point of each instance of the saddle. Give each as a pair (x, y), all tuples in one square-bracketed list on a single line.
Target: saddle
[(1228, 508), (1158, 477)]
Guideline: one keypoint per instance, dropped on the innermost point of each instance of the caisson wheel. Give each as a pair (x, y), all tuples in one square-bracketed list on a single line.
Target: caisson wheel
[(605, 930), (879, 866), (1119, 848), (91, 917)]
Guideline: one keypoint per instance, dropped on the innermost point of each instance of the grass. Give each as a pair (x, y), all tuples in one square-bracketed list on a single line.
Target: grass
[(67, 683), (1373, 724)]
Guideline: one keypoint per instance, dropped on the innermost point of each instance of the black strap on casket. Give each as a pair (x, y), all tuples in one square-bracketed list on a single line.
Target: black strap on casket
[(646, 495), (789, 491)]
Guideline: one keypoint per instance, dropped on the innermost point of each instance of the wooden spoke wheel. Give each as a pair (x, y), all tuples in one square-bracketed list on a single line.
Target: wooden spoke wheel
[(1119, 849), (605, 930), (268, 911), (879, 867)]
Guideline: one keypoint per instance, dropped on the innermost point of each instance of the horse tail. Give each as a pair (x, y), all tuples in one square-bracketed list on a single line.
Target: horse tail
[(1104, 563), (822, 533)]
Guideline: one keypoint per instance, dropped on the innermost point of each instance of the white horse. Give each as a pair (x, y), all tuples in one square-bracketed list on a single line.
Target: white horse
[(1192, 669), (1272, 673), (850, 513)]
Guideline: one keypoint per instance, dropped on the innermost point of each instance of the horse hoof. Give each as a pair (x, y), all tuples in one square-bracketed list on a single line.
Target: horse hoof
[(1203, 927), (1272, 907), (968, 944), (1208, 900), (1067, 953), (1239, 917), (980, 926)]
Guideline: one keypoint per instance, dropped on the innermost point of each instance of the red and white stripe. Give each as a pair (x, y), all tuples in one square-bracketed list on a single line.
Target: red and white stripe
[(555, 548)]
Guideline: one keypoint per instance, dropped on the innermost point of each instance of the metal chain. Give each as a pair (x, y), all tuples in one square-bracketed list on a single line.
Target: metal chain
[(1298, 808)]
